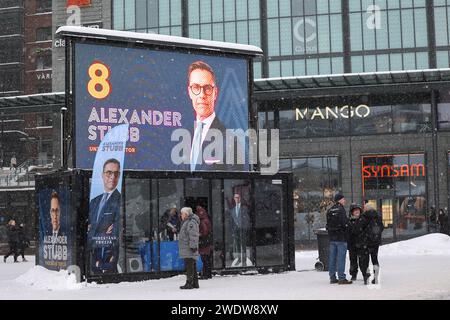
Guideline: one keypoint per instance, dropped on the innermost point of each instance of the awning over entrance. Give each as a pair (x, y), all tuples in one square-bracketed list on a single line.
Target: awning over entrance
[(314, 84), (34, 99)]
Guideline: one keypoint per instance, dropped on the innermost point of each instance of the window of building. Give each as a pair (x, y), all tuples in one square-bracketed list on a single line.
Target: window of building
[(43, 6), (444, 110), (11, 3), (11, 51), (44, 61), (305, 37), (380, 26), (396, 186), (44, 120), (316, 180), (44, 34), (11, 23), (149, 16), (11, 80)]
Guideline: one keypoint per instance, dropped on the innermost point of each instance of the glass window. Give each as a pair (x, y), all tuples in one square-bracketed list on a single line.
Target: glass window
[(138, 234), (269, 223), (44, 34), (44, 61), (444, 110), (315, 182), (239, 221), (411, 117), (379, 121), (219, 251), (43, 6)]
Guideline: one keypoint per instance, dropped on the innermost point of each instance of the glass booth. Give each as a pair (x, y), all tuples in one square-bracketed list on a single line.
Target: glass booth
[(146, 247)]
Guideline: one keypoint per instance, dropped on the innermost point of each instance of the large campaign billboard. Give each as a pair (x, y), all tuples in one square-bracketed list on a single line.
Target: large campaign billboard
[(181, 107)]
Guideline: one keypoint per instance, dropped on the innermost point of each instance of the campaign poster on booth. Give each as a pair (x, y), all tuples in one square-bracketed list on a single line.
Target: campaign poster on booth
[(105, 202), (157, 93), (55, 234)]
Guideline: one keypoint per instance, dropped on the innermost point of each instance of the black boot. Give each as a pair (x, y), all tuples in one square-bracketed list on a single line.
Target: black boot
[(187, 286)]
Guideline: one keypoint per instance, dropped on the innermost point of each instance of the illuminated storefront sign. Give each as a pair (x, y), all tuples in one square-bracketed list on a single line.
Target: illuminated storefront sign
[(393, 171), (327, 113), (79, 3)]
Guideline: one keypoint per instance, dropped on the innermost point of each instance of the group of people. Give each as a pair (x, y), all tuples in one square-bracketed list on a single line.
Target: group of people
[(360, 234), (17, 240), (194, 234)]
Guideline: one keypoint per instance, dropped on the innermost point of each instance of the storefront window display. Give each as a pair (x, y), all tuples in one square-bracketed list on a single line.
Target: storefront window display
[(396, 186), (316, 180)]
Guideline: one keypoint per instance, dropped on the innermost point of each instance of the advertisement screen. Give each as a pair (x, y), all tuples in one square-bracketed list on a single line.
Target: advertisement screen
[(185, 111), (55, 234)]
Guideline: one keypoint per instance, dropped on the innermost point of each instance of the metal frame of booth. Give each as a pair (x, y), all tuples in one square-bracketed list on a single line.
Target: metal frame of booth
[(78, 182)]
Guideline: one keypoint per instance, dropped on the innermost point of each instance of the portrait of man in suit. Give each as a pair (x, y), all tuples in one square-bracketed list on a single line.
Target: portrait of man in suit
[(239, 221), (55, 215), (204, 92), (104, 220)]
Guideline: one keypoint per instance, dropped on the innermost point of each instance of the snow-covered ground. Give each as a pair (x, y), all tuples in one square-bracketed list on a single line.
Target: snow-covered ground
[(413, 269)]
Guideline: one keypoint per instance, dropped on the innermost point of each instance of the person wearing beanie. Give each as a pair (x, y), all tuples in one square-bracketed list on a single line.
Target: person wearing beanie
[(337, 225), (357, 243)]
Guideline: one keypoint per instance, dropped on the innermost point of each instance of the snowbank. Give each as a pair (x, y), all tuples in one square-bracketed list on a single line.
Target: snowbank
[(430, 244), (42, 279)]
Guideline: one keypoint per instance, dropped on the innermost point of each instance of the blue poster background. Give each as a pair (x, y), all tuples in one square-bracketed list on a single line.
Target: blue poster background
[(143, 79), (51, 257)]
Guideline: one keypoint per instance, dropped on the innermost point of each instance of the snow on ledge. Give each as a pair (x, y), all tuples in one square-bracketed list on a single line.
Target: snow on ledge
[(138, 37), (430, 244), (39, 278)]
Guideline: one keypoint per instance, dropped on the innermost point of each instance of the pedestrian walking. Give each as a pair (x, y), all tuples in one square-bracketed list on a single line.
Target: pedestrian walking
[(188, 246), (13, 163), (357, 243), (205, 242), (374, 231), (13, 240), (337, 227), (23, 243)]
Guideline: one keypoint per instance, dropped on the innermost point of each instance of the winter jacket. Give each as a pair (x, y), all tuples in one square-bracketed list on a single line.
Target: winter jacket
[(373, 218), (443, 223), (205, 229), (357, 239), (13, 235), (337, 223), (188, 237), (23, 238)]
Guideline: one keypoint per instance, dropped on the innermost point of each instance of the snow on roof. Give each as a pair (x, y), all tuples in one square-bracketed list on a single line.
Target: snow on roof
[(137, 37)]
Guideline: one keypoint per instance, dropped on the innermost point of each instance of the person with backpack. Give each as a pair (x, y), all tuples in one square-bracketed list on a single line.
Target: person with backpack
[(337, 227), (205, 240), (374, 230), (13, 240), (357, 243)]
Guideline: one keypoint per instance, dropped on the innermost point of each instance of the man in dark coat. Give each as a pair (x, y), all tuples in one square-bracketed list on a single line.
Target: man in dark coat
[(443, 222), (104, 222), (239, 221), (188, 246), (337, 225), (13, 240), (357, 243), (204, 92), (374, 230)]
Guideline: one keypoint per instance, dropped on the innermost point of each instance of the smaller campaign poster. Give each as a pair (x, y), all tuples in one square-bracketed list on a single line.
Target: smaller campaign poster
[(55, 245), (106, 202)]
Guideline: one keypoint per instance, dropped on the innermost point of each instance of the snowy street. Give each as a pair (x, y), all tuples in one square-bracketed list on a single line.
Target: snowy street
[(414, 269)]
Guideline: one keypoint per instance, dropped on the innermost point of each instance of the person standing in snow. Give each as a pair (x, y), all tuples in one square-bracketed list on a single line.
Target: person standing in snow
[(13, 240), (188, 246), (337, 227), (357, 243), (205, 241), (374, 230)]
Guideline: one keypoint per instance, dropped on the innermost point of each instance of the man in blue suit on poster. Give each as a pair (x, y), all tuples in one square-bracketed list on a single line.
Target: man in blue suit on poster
[(204, 92), (104, 222)]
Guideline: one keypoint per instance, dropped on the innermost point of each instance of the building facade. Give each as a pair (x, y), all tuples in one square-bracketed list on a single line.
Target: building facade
[(379, 133)]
